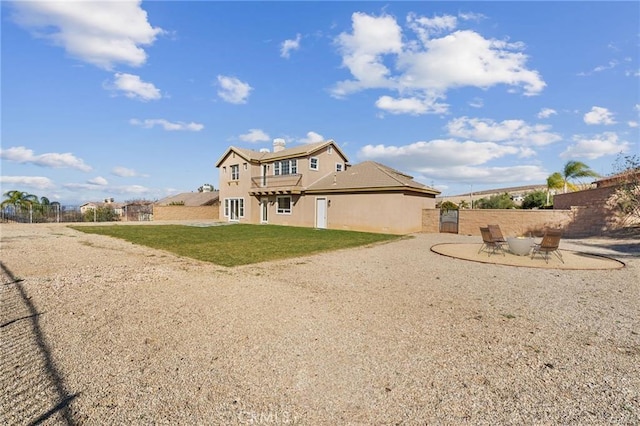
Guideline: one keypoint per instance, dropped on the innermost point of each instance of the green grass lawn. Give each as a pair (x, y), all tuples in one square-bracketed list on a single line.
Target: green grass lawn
[(237, 244)]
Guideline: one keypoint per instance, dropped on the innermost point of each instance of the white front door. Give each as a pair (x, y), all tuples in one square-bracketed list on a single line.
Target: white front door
[(264, 210), (321, 213)]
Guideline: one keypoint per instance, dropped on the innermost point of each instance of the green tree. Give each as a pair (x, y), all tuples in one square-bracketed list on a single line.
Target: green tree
[(535, 200), (554, 182), (100, 214), (575, 170), (463, 204), (448, 205), (501, 201), (19, 199)]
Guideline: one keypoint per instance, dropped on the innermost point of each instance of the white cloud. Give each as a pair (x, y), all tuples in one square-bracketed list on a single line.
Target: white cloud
[(254, 136), (632, 124), (233, 90), (547, 112), (488, 175), (436, 154), (515, 132), (134, 88), (610, 65), (412, 106), (601, 145), (288, 45), (455, 161), (130, 189), (312, 137), (599, 115), (476, 103), (101, 33), (22, 155), (379, 56), (426, 27), (98, 180), (124, 172), (37, 182), (362, 52), (167, 125)]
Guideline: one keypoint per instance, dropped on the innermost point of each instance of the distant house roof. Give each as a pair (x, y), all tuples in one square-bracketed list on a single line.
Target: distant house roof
[(369, 176), (509, 190), (191, 199), (267, 156), (102, 204), (620, 178)]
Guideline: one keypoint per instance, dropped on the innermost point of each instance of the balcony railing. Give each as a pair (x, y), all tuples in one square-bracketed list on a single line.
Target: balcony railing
[(281, 183)]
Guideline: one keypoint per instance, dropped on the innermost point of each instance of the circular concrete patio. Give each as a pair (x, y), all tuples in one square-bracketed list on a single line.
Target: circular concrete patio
[(573, 260)]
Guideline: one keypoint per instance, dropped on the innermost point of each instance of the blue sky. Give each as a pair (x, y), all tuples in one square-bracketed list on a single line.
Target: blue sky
[(138, 100)]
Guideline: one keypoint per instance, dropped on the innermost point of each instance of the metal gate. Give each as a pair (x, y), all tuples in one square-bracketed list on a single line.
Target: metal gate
[(449, 221)]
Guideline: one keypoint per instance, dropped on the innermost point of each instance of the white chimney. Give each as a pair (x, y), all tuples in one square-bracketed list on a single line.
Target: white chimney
[(278, 144)]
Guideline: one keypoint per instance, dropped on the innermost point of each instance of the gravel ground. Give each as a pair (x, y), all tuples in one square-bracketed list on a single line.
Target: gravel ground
[(96, 330)]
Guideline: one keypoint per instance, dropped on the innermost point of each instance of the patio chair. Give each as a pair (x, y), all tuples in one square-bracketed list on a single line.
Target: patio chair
[(489, 244), (550, 244), (496, 233)]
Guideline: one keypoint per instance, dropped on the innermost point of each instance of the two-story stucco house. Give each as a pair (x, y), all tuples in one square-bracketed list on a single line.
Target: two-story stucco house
[(314, 185)]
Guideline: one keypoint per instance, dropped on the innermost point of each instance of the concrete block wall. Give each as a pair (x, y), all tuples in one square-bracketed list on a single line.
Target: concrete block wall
[(431, 220), (592, 216), (186, 212), (512, 222)]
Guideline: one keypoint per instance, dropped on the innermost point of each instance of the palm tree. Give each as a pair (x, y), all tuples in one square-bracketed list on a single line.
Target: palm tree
[(573, 170), (554, 181), (19, 199)]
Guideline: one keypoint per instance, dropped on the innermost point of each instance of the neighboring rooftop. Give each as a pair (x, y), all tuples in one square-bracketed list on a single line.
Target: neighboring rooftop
[(191, 199)]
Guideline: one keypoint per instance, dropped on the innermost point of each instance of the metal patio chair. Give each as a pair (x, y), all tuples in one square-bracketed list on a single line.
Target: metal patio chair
[(550, 244), (490, 245)]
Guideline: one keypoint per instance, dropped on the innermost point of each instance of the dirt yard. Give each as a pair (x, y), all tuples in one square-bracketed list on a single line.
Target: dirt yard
[(99, 331)]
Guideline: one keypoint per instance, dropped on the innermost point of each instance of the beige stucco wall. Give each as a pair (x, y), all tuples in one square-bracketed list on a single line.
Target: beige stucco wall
[(186, 212), (236, 188), (393, 213)]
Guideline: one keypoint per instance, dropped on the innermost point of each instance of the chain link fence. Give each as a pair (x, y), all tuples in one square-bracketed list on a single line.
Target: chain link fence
[(58, 214)]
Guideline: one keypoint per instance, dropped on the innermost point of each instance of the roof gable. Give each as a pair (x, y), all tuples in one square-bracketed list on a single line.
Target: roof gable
[(268, 156)]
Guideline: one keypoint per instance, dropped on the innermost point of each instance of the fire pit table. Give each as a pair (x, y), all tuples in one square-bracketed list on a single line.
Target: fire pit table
[(520, 246)]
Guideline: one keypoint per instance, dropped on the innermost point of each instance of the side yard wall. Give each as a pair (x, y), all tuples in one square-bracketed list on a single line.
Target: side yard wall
[(512, 222), (593, 217), (186, 212)]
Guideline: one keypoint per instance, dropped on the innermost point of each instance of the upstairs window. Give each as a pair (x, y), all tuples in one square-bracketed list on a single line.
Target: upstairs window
[(235, 172), (338, 167), (285, 167), (313, 163)]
